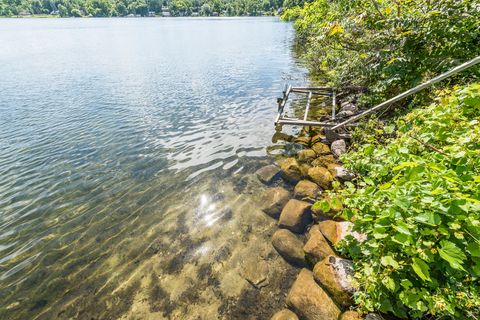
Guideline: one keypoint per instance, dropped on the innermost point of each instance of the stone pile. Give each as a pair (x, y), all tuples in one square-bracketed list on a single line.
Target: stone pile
[(307, 236)]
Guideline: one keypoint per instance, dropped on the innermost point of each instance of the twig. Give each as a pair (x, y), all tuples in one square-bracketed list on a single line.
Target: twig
[(428, 145)]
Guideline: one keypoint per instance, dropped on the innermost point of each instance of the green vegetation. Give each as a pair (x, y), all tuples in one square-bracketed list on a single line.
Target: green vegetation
[(112, 8), (418, 192), (418, 200), (386, 46)]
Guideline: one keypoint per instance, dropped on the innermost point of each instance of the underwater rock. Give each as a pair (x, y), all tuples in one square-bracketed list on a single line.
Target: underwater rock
[(338, 147), (337, 231), (323, 161), (321, 148), (321, 176), (273, 200), (255, 271), (317, 138), (284, 314), (268, 173), (306, 155), (295, 216), (317, 247), (350, 315), (306, 189), (302, 140), (289, 246), (291, 169), (309, 300), (336, 276)]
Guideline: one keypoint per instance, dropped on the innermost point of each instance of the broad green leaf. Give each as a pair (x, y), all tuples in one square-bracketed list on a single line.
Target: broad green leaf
[(474, 249), (452, 254), (421, 269), (389, 261)]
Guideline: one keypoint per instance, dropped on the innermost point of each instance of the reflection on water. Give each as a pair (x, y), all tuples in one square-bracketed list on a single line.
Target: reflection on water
[(128, 148)]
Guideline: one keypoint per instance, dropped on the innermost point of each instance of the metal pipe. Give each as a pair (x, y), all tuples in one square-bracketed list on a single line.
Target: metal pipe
[(407, 93), (334, 104), (305, 123), (308, 106), (281, 105)]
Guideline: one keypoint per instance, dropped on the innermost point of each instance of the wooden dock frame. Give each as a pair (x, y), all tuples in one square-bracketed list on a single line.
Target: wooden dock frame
[(309, 91)]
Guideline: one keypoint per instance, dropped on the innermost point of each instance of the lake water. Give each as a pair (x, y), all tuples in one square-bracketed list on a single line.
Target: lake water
[(128, 152)]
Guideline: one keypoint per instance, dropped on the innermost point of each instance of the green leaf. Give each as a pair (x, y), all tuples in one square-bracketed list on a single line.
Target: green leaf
[(389, 261), (421, 269), (452, 254), (474, 249)]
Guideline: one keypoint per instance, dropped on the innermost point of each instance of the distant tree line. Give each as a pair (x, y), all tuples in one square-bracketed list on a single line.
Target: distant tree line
[(114, 8)]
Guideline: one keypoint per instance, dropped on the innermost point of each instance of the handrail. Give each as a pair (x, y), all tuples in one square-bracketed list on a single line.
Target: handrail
[(407, 93)]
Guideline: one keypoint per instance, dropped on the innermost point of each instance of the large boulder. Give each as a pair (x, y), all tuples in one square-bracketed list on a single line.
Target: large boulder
[(338, 147), (268, 173), (295, 216), (317, 247), (336, 276), (309, 300), (306, 155), (291, 169), (350, 315), (306, 189), (323, 161), (321, 176), (321, 148), (337, 231), (284, 314), (273, 200), (289, 246)]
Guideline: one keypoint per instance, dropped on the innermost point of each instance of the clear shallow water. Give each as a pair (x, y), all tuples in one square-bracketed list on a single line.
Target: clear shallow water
[(128, 148)]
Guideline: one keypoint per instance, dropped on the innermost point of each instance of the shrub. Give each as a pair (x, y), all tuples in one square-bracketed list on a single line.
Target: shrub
[(418, 200)]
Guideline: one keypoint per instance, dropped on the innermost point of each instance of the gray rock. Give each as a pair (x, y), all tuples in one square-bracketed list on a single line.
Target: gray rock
[(348, 106), (269, 173), (373, 316), (295, 216), (255, 271), (273, 200), (338, 147), (309, 300), (345, 113), (284, 314), (289, 246), (343, 174)]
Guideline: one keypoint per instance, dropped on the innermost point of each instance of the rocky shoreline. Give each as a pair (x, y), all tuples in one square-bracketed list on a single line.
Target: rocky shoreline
[(308, 232)]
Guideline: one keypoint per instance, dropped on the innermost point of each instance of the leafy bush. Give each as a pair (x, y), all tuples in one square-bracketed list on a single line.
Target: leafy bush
[(387, 46), (418, 200)]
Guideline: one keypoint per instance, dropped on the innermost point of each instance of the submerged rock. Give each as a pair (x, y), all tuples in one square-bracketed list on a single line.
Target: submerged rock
[(284, 314), (295, 216), (337, 231), (321, 176), (302, 140), (323, 161), (306, 189), (291, 169), (306, 155), (255, 271), (321, 148), (273, 200), (336, 276), (309, 300), (317, 247), (338, 147), (268, 173), (289, 246), (350, 315)]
